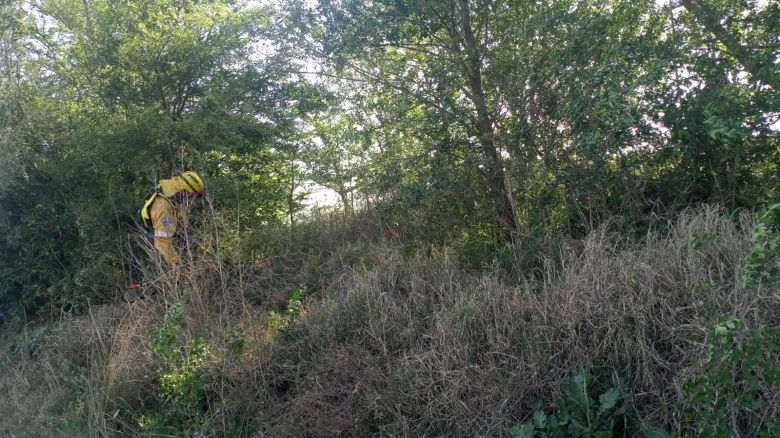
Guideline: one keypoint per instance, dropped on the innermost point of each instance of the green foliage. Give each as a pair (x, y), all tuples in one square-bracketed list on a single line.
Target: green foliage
[(722, 143), (447, 118), (181, 384), (723, 147), (453, 122), (335, 155), (447, 121), (763, 262), (577, 415), (180, 401), (598, 110), (237, 340), (734, 390), (28, 343), (166, 334), (279, 321), (702, 241), (131, 92)]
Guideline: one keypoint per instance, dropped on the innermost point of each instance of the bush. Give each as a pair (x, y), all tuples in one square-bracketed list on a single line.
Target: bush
[(734, 391), (180, 401), (762, 263)]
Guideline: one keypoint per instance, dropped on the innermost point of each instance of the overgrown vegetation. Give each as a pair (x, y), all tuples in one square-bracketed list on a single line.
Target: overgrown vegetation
[(616, 338), (551, 219)]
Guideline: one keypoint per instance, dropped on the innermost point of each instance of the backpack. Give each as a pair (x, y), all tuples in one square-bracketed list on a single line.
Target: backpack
[(145, 211)]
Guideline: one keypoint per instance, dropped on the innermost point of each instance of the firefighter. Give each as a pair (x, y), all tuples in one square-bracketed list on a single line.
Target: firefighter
[(164, 210)]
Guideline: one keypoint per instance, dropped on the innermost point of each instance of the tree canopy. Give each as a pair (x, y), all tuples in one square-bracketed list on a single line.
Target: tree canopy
[(467, 120)]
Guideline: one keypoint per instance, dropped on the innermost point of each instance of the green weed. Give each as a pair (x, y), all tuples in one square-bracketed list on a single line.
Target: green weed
[(761, 265), (734, 392), (577, 415), (180, 402)]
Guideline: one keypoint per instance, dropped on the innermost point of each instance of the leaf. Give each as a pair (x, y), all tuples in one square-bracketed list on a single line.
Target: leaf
[(576, 391), (608, 400), (754, 404), (525, 431), (721, 330), (577, 426), (540, 419)]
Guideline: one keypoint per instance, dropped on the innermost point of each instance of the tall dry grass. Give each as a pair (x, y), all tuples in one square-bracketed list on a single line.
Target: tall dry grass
[(388, 342), (460, 355), (53, 380)]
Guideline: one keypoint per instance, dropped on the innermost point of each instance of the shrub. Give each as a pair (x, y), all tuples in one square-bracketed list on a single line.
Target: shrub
[(735, 389), (762, 263), (180, 401)]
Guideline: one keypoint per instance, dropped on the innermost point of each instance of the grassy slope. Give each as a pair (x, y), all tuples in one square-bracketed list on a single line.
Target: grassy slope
[(383, 341)]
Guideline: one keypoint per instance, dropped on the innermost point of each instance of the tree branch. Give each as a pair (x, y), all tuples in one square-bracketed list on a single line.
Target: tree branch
[(710, 21)]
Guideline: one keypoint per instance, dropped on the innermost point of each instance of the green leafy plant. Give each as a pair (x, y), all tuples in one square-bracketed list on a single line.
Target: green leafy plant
[(181, 385), (181, 391), (701, 241), (735, 388), (762, 263), (166, 334), (278, 321), (29, 341), (237, 339), (578, 415)]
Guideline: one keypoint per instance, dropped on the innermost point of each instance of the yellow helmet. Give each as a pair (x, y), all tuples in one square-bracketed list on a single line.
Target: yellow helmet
[(192, 182)]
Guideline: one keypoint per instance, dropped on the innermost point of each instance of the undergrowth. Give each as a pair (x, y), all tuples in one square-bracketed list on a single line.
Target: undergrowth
[(669, 336), (577, 414)]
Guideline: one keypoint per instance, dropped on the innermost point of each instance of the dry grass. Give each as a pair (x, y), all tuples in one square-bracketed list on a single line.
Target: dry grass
[(54, 384), (463, 353), (392, 344)]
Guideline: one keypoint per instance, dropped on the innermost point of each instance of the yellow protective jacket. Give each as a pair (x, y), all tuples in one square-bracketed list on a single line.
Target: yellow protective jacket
[(165, 219)]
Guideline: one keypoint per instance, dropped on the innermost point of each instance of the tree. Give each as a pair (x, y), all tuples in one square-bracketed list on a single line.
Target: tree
[(333, 155), (747, 32), (11, 94), (117, 95), (402, 47), (551, 90), (719, 105)]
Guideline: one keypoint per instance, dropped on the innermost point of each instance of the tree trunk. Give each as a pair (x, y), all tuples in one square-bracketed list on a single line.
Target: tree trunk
[(496, 178), (344, 195)]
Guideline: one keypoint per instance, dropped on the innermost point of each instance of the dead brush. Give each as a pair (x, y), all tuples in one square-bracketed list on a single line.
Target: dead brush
[(643, 312), (407, 344), (337, 401), (61, 388), (463, 354)]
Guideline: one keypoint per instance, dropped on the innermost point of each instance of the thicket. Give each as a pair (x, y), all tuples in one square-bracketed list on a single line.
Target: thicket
[(98, 101), (521, 243), (468, 122)]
